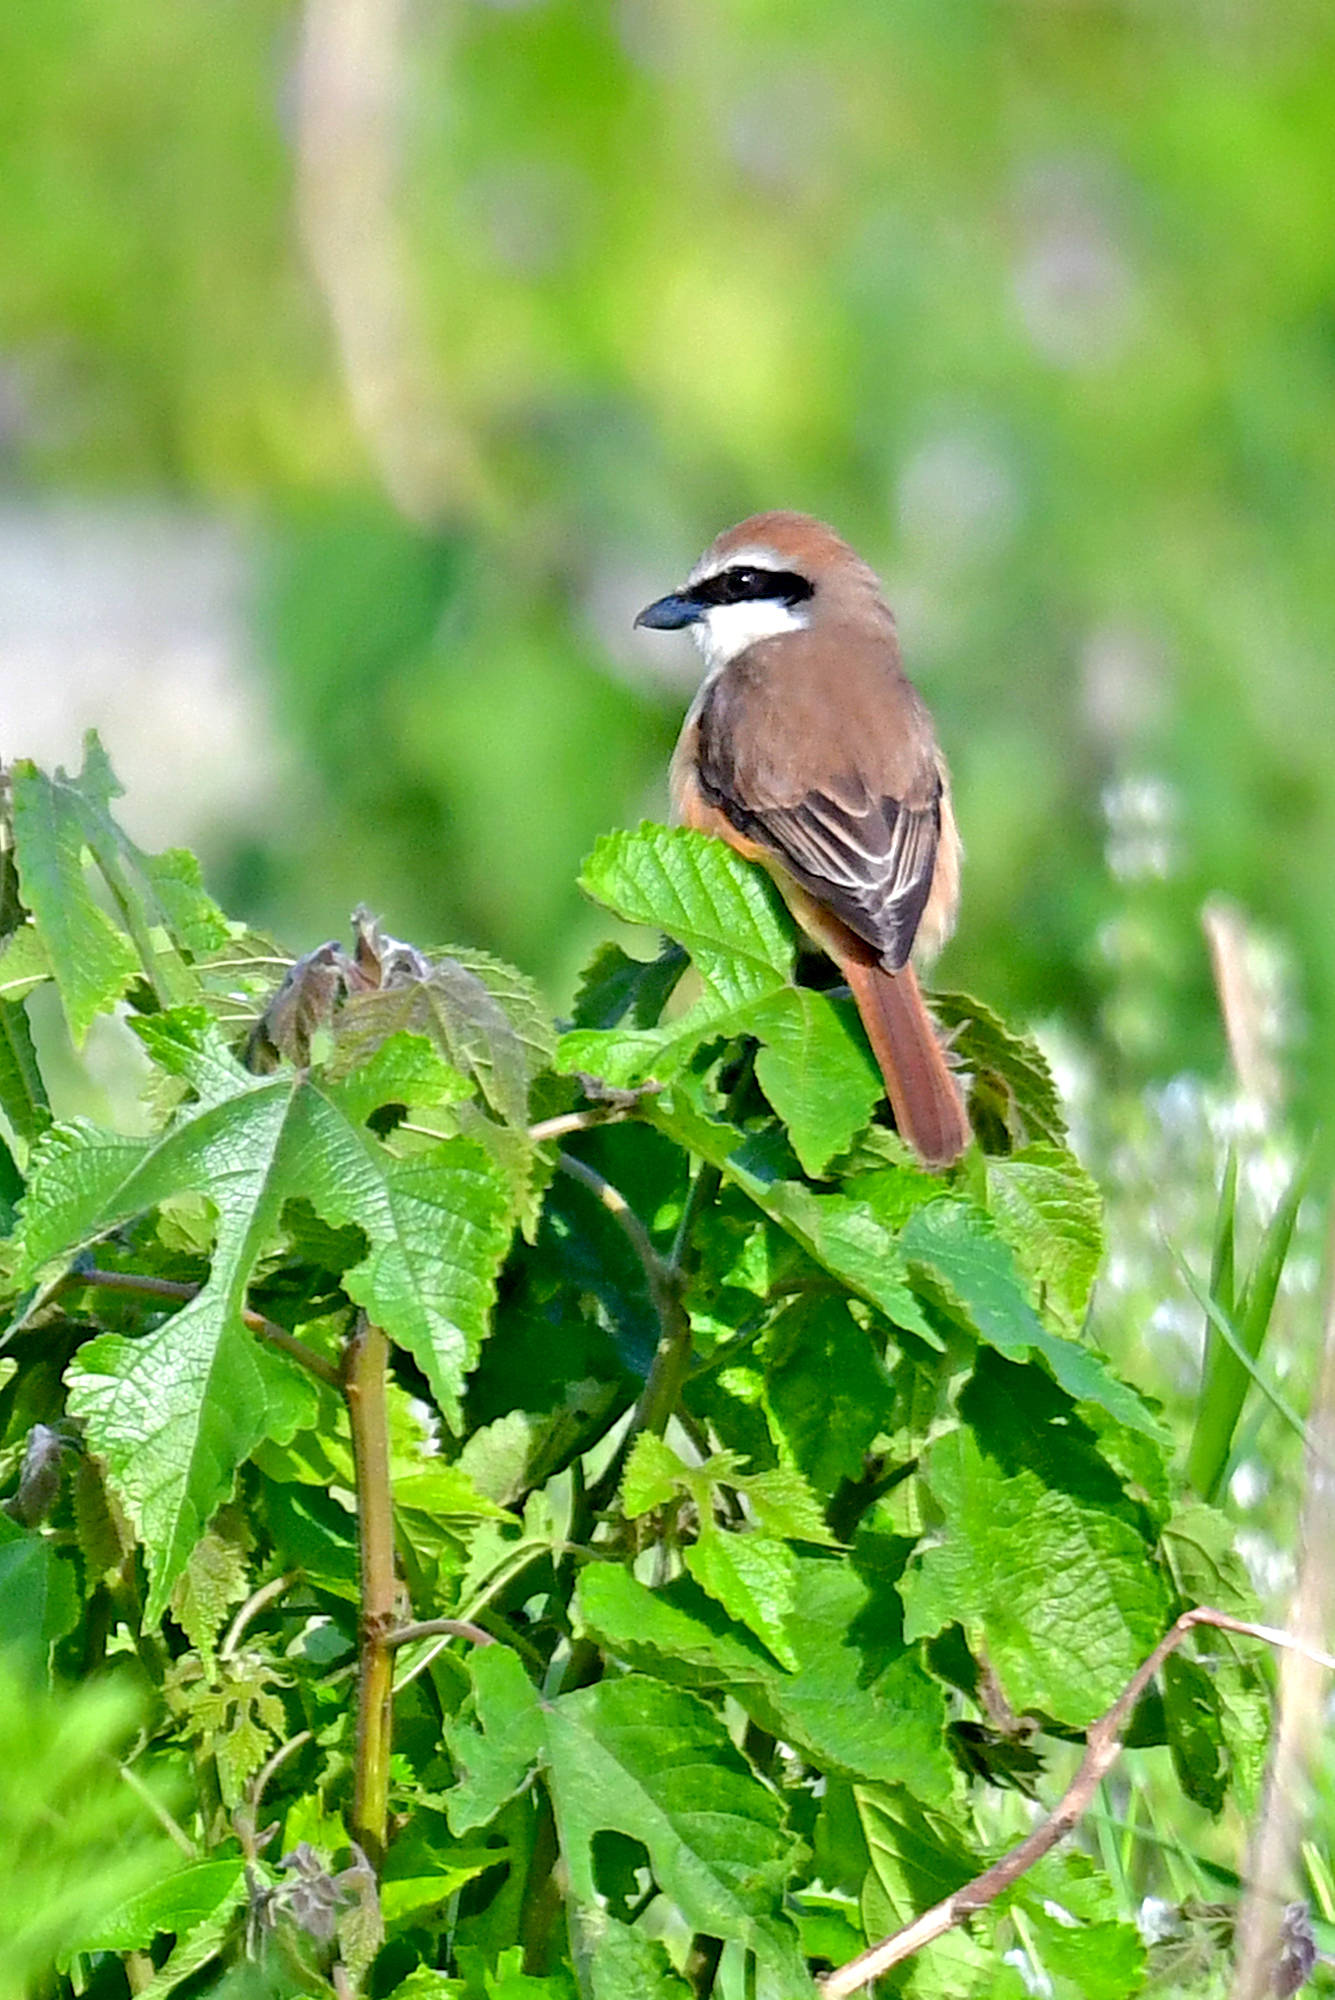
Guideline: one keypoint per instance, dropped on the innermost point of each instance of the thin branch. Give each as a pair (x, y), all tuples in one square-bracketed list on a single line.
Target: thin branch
[(1103, 1745), (174, 1831), (628, 1222), (578, 1121), (267, 1594), (175, 1288), (259, 1783), (439, 1628)]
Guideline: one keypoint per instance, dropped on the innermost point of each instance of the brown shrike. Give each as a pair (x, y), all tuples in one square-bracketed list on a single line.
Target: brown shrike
[(808, 749)]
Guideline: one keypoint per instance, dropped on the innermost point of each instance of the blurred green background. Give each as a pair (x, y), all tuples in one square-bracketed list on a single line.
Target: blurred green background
[(364, 367)]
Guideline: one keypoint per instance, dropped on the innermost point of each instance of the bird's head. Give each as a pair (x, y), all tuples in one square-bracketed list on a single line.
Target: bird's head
[(772, 574)]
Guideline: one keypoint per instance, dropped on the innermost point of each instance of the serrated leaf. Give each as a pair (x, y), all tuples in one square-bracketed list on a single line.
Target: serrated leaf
[(1050, 1212), (726, 913), (859, 1702), (403, 1069), (817, 1071), (176, 1411), (1009, 1070), (958, 1246), (463, 1006), (754, 1578), (213, 1580), (654, 1475), (494, 1751), (843, 1232), (784, 1504), (91, 961), (190, 913), (826, 1391), (615, 988), (627, 1965), (652, 1762), (1059, 1597)]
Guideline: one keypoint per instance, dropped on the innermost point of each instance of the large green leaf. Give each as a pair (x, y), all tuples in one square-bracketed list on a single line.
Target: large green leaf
[(858, 1702), (495, 1747), (814, 1067), (165, 916), (176, 1411), (1050, 1212), (1059, 1596), (958, 1246), (91, 960), (650, 1761), (843, 1232)]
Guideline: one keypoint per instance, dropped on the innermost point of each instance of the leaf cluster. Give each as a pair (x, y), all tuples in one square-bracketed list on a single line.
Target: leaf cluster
[(764, 1514)]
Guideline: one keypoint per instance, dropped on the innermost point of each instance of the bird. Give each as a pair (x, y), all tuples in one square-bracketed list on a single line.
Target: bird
[(809, 750)]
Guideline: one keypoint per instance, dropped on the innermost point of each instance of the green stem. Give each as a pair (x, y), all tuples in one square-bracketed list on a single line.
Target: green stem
[(364, 1369)]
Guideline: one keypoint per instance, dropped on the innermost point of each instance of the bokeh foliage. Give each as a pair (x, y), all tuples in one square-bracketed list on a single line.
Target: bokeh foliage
[(1036, 302)]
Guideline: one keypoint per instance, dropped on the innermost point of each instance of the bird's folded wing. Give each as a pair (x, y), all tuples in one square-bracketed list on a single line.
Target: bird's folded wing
[(870, 861)]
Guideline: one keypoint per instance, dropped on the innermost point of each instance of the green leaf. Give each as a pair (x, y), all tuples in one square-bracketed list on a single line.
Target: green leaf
[(956, 1243), (200, 1890), (627, 1965), (24, 965), (654, 1475), (859, 1702), (23, 1098), (652, 1762), (827, 1392), (754, 1578), (616, 988), (495, 1750), (1058, 1596), (725, 912), (843, 1233), (817, 1071), (403, 1069), (484, 1018), (39, 1603), (1011, 1076), (189, 912), (1193, 1717), (177, 1410), (728, 916), (91, 961), (214, 1579), (1050, 1212)]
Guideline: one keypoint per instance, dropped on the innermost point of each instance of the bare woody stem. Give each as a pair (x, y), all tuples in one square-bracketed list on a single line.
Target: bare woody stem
[(1103, 1746), (364, 1368)]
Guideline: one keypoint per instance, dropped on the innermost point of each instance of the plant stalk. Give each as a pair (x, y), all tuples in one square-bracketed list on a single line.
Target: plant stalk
[(364, 1370)]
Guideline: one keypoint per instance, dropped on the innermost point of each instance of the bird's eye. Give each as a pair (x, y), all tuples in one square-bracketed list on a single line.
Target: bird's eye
[(745, 583)]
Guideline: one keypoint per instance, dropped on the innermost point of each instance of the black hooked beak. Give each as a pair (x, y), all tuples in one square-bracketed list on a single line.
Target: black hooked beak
[(670, 613)]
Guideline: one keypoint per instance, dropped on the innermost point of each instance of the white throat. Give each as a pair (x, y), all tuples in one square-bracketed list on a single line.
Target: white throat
[(728, 629)]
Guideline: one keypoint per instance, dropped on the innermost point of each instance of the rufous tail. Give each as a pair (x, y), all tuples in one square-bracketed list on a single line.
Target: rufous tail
[(923, 1096)]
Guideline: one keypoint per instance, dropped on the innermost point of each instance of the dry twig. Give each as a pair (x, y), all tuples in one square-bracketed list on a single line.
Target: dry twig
[(1103, 1746)]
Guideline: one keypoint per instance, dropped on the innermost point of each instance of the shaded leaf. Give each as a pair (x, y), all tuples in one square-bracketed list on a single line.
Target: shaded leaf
[(957, 1244), (1059, 1597), (652, 1762)]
